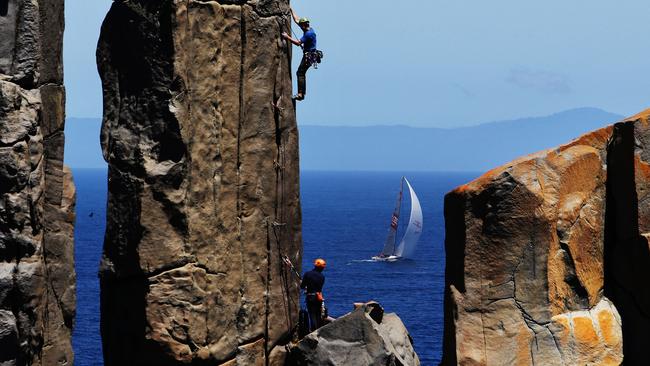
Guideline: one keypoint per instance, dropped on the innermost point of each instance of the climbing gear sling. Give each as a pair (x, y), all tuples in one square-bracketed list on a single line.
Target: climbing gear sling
[(314, 58), (288, 263)]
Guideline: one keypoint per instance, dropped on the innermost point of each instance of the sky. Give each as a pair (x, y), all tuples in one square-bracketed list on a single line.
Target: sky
[(435, 63)]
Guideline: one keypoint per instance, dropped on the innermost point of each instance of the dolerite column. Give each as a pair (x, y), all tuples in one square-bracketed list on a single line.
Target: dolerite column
[(525, 267), (37, 196), (200, 135)]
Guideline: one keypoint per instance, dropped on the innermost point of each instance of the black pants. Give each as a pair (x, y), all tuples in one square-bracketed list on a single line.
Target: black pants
[(315, 316), (4, 8), (302, 75)]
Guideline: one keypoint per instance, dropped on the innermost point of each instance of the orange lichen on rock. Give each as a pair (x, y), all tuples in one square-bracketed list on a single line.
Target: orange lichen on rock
[(531, 234), (594, 139), (643, 117), (584, 333), (608, 328), (523, 349), (590, 337)]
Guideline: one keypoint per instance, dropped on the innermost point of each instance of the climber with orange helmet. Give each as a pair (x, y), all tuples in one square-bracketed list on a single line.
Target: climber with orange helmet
[(312, 282), (311, 56)]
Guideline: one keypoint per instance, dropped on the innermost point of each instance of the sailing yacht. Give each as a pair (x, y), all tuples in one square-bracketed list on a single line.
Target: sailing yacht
[(392, 250)]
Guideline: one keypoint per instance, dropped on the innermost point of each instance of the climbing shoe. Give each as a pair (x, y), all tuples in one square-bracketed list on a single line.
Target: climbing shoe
[(298, 97)]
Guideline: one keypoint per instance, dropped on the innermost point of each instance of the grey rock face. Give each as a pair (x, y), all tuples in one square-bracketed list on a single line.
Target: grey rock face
[(357, 339), (200, 135), (37, 196)]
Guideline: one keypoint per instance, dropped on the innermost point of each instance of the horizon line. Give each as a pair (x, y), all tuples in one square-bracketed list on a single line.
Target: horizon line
[(459, 126)]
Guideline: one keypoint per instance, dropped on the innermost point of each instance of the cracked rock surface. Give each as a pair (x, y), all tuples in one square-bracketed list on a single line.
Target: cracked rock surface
[(365, 336), (200, 135), (37, 195), (546, 256)]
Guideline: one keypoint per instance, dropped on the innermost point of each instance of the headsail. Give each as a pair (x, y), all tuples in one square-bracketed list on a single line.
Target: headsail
[(406, 247), (389, 247)]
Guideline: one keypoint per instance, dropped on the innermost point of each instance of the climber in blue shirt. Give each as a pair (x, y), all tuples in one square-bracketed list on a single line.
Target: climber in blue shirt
[(310, 53), (308, 39)]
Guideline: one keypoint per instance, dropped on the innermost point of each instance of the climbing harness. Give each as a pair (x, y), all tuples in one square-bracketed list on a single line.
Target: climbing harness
[(305, 322), (314, 58)]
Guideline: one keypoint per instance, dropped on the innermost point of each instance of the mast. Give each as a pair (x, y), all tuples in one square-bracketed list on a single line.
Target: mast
[(389, 247)]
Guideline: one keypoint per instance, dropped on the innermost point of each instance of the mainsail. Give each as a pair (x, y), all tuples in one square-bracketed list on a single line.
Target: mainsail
[(406, 247), (389, 247)]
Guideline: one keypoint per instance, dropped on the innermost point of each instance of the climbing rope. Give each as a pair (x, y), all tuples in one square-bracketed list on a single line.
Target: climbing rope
[(279, 227), (287, 261)]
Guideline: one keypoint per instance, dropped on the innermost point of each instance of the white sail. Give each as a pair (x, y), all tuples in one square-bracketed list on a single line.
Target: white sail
[(406, 247)]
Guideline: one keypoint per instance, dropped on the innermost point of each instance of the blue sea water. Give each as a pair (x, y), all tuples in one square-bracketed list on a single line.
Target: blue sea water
[(345, 221)]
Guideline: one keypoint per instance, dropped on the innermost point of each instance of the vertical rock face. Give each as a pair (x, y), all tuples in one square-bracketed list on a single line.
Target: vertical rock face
[(37, 196), (547, 257), (627, 230), (200, 135)]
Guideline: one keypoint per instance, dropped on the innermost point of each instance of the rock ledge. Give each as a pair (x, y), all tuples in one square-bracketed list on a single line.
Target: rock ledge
[(365, 336)]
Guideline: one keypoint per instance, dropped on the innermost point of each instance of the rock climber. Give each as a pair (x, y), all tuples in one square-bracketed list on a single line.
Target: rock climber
[(312, 282), (310, 55)]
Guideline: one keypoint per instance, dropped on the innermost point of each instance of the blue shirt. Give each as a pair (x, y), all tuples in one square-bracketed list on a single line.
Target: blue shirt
[(309, 40)]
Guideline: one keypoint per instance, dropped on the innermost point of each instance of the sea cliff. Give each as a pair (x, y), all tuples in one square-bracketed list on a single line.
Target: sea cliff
[(37, 195), (200, 135), (546, 256)]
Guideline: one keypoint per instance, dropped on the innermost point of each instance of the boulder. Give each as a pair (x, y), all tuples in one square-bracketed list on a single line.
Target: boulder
[(365, 336), (200, 136), (545, 256), (37, 195)]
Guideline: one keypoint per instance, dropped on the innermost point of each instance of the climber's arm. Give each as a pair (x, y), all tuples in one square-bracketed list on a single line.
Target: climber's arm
[(295, 16), (297, 42)]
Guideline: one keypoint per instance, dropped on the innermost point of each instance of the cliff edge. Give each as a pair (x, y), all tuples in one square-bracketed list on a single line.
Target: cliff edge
[(200, 135), (547, 255), (37, 195)]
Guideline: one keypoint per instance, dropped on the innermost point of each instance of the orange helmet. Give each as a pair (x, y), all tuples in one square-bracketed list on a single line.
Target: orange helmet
[(320, 263)]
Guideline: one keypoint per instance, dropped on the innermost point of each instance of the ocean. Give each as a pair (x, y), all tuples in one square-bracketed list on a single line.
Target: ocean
[(345, 221)]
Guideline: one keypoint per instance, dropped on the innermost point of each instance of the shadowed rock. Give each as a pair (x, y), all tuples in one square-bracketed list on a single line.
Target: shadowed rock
[(200, 136), (627, 252), (37, 196)]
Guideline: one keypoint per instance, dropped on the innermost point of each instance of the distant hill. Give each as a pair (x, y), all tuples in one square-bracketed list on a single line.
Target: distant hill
[(476, 148), (398, 148)]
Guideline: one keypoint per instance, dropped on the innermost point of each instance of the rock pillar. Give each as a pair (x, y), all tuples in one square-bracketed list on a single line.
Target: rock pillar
[(548, 256), (37, 196), (200, 135), (526, 264)]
